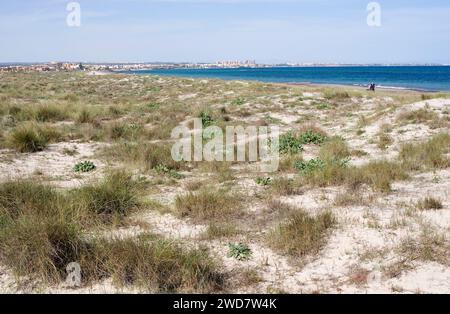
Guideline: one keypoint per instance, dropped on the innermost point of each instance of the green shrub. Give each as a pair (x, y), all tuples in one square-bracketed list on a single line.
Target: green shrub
[(239, 101), (239, 251), (290, 144), (85, 166), (153, 106), (310, 136), (163, 169), (207, 119), (309, 166), (264, 181)]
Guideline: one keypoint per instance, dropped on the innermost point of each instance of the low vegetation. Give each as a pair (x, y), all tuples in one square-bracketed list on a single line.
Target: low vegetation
[(302, 234), (428, 155), (43, 230), (159, 265), (292, 143), (208, 204), (429, 246), (105, 223), (429, 203), (334, 148), (30, 138), (239, 251), (84, 166)]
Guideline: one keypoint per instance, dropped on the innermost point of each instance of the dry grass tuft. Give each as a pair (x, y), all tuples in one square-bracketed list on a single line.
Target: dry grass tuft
[(429, 246), (30, 138), (159, 265), (208, 204), (429, 203), (302, 234), (428, 155)]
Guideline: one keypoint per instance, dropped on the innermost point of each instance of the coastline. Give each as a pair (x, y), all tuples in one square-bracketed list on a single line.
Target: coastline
[(309, 84), (359, 87)]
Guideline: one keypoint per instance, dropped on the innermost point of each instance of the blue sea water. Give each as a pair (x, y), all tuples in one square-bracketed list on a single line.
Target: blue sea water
[(426, 78)]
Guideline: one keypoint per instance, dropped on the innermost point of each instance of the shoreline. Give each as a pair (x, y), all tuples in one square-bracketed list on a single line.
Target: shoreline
[(310, 84), (359, 87)]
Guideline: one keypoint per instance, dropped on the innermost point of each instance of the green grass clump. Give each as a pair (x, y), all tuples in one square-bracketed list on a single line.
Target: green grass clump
[(153, 106), (146, 156), (19, 197), (49, 113), (322, 105), (41, 246), (42, 230), (377, 174), (41, 233), (84, 116), (158, 264), (85, 166), (207, 204), (30, 138), (334, 148), (239, 251), (284, 186), (318, 172), (302, 234), (111, 199), (131, 131), (417, 116), (428, 155)]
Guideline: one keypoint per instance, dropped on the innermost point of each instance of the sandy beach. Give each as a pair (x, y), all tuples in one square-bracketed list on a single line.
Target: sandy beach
[(386, 199)]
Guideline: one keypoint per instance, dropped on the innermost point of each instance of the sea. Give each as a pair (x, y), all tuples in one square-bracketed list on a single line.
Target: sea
[(421, 78)]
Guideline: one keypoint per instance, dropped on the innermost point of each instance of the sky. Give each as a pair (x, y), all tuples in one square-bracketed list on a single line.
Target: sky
[(268, 31)]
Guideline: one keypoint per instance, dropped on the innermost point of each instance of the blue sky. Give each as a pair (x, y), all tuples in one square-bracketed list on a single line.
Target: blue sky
[(210, 30)]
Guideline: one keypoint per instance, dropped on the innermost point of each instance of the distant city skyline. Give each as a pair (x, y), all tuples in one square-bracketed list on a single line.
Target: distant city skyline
[(206, 31)]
